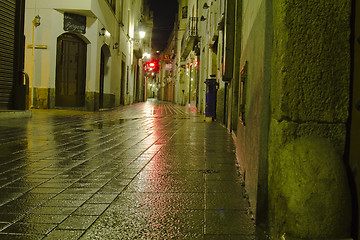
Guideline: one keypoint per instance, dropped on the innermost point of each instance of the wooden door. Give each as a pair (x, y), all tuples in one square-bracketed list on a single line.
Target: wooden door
[(70, 71)]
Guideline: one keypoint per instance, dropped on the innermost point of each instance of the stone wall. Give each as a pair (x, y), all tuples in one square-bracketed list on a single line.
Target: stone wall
[(308, 186)]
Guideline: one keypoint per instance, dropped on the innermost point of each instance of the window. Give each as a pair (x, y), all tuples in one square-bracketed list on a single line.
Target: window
[(242, 98)]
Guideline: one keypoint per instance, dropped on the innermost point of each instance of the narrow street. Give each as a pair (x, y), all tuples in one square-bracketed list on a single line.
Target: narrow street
[(145, 171)]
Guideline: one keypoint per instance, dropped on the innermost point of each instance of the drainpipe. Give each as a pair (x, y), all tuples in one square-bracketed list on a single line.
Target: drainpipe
[(36, 22)]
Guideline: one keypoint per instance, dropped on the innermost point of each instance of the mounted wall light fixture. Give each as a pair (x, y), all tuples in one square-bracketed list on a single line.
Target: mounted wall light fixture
[(116, 46), (202, 18), (142, 34), (205, 6), (36, 20), (102, 32)]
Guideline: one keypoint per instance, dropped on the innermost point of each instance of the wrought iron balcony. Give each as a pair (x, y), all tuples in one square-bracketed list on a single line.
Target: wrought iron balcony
[(190, 37)]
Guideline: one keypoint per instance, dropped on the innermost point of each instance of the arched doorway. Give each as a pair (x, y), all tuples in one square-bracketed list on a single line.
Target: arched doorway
[(105, 54), (70, 71)]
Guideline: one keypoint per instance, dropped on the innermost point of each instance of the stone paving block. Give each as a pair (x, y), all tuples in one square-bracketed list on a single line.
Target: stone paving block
[(166, 185), (37, 196), (71, 196), (77, 222), (40, 218), (29, 228), (15, 190), (80, 190), (10, 217), (228, 201), (61, 185), (4, 236), (46, 190), (86, 185), (3, 224), (102, 198), (148, 225), (64, 234), (119, 182), (91, 209), (214, 186), (112, 189), (222, 175), (153, 201), (63, 203), (224, 221), (15, 208), (54, 210)]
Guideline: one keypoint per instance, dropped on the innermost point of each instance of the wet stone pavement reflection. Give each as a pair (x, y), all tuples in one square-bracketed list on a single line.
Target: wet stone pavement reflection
[(146, 171)]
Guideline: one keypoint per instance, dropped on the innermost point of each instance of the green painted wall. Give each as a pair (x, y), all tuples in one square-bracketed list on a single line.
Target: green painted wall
[(308, 185)]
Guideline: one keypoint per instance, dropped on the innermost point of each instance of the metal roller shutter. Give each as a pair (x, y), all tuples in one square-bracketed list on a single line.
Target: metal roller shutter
[(7, 45)]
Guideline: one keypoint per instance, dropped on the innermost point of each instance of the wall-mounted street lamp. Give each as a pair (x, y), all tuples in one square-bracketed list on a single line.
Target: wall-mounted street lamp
[(202, 18), (146, 55), (116, 46), (205, 6), (142, 34), (102, 32), (36, 20)]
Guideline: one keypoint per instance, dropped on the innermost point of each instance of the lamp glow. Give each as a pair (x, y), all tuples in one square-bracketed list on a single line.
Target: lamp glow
[(142, 34), (146, 55)]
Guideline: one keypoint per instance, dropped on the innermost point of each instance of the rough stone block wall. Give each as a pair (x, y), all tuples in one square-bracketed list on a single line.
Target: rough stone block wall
[(308, 185), (311, 60)]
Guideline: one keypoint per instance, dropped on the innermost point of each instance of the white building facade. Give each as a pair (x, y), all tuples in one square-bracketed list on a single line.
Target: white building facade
[(83, 54)]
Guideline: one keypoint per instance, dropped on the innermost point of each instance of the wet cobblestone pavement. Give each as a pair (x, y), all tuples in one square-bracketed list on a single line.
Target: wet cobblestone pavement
[(146, 171)]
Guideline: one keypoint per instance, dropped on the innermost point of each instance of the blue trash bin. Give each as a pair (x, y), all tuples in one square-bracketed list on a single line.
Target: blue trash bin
[(211, 91)]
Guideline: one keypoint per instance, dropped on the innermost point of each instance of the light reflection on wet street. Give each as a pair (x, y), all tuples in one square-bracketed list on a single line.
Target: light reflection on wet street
[(146, 171)]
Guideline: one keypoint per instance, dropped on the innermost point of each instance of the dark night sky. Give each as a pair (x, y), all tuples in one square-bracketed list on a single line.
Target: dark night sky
[(164, 17)]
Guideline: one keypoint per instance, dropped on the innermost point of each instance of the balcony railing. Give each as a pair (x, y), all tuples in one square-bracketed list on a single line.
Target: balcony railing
[(189, 36)]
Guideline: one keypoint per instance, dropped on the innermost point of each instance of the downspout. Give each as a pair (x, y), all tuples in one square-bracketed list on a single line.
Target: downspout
[(34, 22)]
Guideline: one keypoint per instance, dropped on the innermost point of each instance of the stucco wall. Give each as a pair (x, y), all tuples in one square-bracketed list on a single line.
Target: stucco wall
[(98, 15), (252, 137)]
